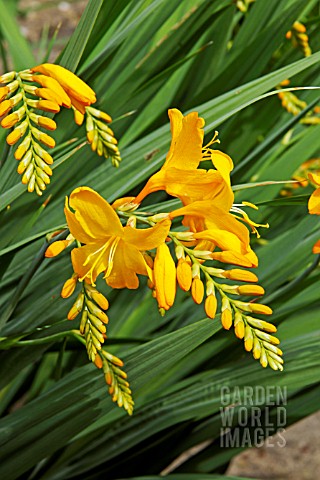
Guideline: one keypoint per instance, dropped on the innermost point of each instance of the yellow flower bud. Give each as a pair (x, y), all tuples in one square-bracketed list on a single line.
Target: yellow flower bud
[(22, 148), (164, 277), (69, 286), (210, 306), (184, 274), (263, 358), (239, 329), (248, 339), (250, 290), (10, 120), (76, 307), (31, 183), (3, 92), (259, 308), (7, 77), (17, 133), (98, 361), (44, 138), (43, 154), (5, 107), (78, 117), (226, 319), (256, 348), (24, 162), (299, 27), (197, 290), (240, 275), (47, 106), (42, 165), (27, 175), (261, 324)]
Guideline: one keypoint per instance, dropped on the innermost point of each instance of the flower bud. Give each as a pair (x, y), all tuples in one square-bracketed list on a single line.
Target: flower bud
[(210, 306), (7, 77), (22, 148), (248, 339), (197, 290), (259, 308), (24, 162), (250, 290), (240, 275), (69, 286), (27, 175), (184, 274), (77, 307)]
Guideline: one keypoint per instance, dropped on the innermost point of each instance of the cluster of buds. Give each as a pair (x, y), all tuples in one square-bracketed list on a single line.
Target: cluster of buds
[(27, 98), (99, 134), (92, 305), (299, 38), (289, 100), (116, 379), (201, 280)]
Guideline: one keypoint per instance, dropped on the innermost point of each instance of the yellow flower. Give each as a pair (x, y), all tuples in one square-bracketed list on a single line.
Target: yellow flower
[(314, 200), (180, 176), (216, 228), (108, 246), (80, 94)]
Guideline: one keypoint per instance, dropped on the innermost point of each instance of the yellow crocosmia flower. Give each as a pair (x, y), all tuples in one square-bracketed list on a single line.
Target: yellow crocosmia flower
[(180, 176), (218, 228), (108, 246), (80, 94), (314, 200), (164, 275)]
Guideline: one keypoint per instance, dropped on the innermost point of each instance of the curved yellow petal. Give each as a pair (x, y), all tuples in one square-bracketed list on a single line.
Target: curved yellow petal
[(86, 263), (93, 214), (223, 163), (73, 85), (147, 238), (314, 178), (127, 263), (190, 186), (314, 202), (223, 239), (52, 84), (187, 136)]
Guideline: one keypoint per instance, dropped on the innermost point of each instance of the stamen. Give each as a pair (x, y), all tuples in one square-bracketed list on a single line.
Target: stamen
[(90, 272), (111, 256)]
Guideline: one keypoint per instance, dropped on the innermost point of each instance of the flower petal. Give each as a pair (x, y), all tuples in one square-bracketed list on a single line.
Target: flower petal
[(79, 257), (186, 144), (127, 262), (147, 238), (93, 216), (190, 186), (73, 85), (223, 164), (314, 202)]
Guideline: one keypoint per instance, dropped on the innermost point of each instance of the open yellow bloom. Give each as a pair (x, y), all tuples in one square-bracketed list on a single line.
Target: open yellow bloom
[(180, 176), (217, 228), (108, 246), (80, 94)]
